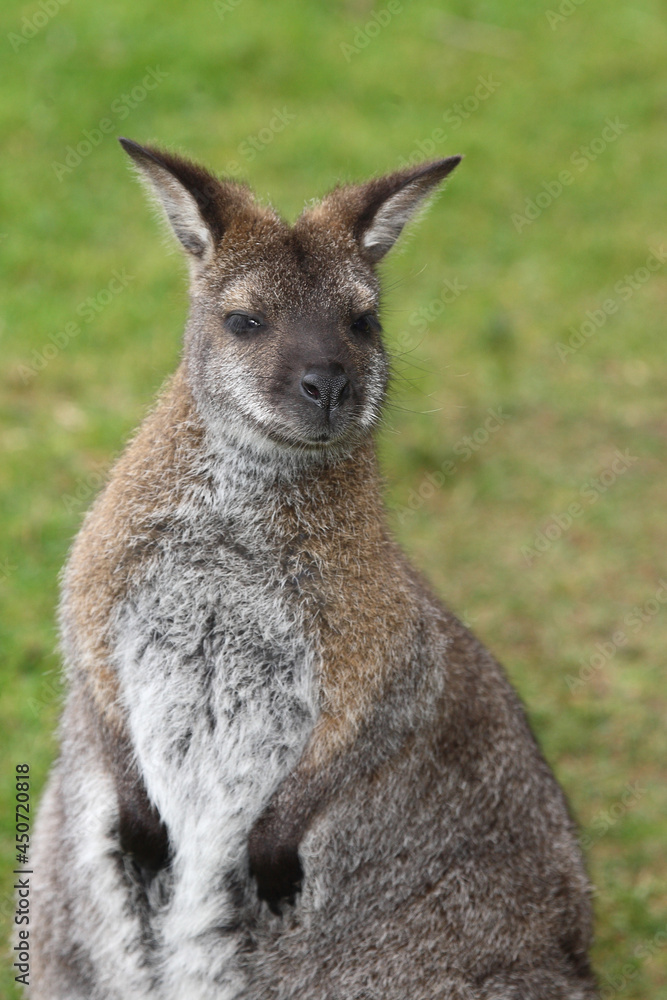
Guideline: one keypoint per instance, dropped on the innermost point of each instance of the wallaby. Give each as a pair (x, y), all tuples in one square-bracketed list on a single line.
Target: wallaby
[(287, 772)]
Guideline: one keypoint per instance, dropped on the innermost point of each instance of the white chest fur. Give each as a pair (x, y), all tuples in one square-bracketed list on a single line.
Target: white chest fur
[(218, 679)]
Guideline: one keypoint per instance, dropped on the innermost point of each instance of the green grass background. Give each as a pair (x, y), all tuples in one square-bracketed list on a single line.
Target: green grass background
[(356, 113)]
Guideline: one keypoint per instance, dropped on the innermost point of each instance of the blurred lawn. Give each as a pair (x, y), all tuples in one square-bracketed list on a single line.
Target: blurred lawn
[(574, 610)]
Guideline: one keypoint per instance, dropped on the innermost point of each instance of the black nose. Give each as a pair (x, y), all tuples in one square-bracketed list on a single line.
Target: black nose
[(327, 387)]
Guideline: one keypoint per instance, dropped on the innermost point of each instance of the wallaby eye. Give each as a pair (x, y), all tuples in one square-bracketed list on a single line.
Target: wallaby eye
[(366, 325), (240, 323)]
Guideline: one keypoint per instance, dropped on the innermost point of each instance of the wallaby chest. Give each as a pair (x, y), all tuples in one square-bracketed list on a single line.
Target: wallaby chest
[(217, 669)]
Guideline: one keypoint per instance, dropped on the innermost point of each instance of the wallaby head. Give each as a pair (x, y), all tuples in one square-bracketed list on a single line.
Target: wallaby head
[(283, 347)]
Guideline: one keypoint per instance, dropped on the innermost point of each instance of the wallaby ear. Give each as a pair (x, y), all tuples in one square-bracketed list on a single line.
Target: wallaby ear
[(197, 205), (377, 211)]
